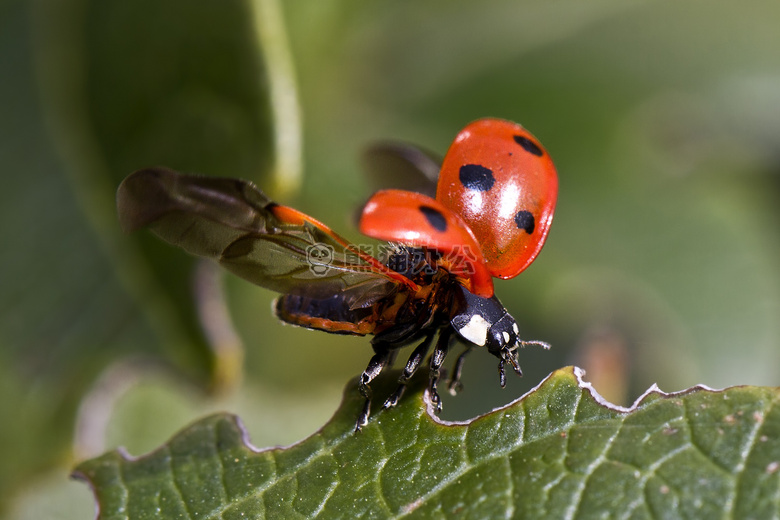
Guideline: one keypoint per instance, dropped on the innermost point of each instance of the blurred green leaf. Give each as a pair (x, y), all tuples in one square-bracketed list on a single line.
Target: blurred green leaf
[(559, 452), (128, 85), (91, 91)]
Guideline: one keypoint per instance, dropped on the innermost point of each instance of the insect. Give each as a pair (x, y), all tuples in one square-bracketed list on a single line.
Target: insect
[(493, 206)]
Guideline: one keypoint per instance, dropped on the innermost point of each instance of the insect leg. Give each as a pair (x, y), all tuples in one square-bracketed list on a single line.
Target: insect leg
[(382, 357), (437, 358), (501, 373), (411, 367), (455, 385), (508, 356)]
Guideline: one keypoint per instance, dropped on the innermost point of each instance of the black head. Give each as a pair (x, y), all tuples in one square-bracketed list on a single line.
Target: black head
[(485, 322)]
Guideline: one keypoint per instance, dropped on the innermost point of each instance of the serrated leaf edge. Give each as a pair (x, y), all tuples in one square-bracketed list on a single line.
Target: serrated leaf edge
[(579, 375), (577, 372)]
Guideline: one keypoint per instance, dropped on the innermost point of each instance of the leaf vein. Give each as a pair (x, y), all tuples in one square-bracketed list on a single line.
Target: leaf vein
[(739, 468), (573, 508), (689, 420), (125, 489), (510, 490), (222, 482), (175, 483), (330, 492), (457, 473), (382, 444), (650, 471)]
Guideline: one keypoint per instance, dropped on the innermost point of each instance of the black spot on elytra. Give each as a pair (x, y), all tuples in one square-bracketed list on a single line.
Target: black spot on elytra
[(476, 177), (434, 218), (528, 145), (525, 221)]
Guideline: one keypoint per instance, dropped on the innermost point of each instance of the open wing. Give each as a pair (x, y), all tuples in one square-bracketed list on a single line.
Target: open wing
[(401, 166), (234, 223)]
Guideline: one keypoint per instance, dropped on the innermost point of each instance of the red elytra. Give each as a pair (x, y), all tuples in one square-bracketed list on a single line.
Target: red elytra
[(504, 186), (418, 220)]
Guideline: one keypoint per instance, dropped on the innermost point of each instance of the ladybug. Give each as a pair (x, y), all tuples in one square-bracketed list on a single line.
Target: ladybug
[(433, 279)]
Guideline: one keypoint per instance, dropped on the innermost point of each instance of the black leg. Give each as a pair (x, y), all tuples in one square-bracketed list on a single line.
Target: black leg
[(437, 358), (455, 385), (507, 356), (378, 362), (501, 373), (411, 367), (512, 358)]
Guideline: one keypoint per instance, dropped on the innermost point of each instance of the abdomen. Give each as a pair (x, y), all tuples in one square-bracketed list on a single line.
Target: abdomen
[(330, 315)]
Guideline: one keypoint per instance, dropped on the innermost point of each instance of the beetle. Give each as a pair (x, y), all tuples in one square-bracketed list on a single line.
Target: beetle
[(494, 203)]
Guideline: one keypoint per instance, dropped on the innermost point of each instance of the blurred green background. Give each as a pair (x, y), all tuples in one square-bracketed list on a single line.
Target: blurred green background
[(663, 118)]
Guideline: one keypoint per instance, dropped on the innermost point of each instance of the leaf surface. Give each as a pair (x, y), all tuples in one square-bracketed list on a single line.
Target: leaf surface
[(558, 452)]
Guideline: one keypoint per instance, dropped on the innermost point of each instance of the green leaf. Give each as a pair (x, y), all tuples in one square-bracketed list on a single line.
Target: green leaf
[(125, 86), (558, 452), (92, 90)]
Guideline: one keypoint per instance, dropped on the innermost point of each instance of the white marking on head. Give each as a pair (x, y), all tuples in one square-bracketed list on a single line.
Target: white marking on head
[(475, 330), (506, 336), (514, 328)]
